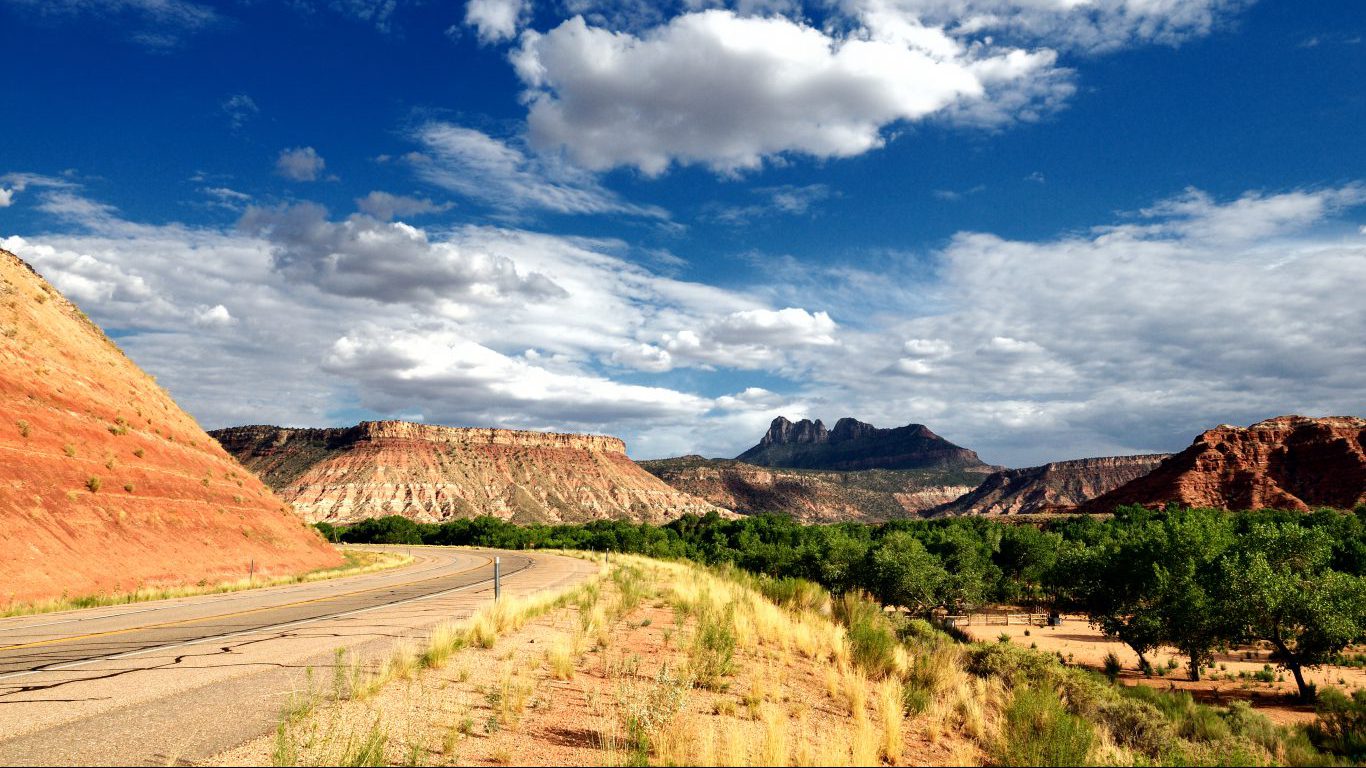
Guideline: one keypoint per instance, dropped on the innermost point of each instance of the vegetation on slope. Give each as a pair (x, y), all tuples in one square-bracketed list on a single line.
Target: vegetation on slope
[(1193, 579), (751, 670)]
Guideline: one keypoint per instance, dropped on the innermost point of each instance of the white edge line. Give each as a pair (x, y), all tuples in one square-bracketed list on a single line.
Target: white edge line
[(271, 628)]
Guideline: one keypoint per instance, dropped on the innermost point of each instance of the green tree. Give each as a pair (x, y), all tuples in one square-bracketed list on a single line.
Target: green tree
[(1280, 579), (903, 573)]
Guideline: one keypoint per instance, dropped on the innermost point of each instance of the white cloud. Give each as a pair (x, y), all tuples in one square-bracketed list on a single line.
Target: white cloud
[(7, 197), (215, 315), (240, 108), (1131, 337), (154, 23), (386, 261), (785, 200), (1085, 25), (501, 175), (385, 206), (497, 20), (729, 91), (300, 164)]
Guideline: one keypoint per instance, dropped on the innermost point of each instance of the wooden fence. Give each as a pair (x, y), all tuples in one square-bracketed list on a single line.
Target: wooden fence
[(1002, 619)]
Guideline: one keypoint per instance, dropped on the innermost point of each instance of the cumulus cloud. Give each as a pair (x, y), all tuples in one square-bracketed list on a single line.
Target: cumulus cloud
[(727, 91), (6, 197), (300, 164), (500, 174), (462, 381), (497, 20), (386, 261), (385, 206), (1129, 337)]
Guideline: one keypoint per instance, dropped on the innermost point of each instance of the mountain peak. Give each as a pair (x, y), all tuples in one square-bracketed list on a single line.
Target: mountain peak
[(854, 444)]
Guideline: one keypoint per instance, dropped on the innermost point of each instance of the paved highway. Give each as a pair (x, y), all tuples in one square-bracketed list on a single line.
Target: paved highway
[(181, 680)]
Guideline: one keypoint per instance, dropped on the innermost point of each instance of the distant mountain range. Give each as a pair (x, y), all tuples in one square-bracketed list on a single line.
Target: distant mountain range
[(1056, 487), (433, 473), (815, 495), (855, 445)]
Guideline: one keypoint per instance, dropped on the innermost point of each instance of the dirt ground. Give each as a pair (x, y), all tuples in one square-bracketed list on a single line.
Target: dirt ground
[(504, 705), (1083, 644)]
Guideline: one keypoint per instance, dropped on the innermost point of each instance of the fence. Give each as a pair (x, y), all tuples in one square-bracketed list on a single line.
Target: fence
[(1003, 619)]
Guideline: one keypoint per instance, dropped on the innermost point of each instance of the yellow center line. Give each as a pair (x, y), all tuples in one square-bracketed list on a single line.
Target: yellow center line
[(218, 617)]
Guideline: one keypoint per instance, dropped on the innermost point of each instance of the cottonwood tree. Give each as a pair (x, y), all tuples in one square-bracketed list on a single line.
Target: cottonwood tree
[(1280, 579), (904, 573)]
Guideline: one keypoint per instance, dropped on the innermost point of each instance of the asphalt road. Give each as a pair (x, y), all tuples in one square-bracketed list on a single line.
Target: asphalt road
[(181, 680)]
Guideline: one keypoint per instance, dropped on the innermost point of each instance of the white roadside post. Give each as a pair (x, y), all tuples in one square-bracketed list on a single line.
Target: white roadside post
[(497, 579)]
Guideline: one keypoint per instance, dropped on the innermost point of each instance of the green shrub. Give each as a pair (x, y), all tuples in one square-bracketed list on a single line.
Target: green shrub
[(872, 640), (793, 593), (713, 648), (1341, 727), (1112, 666), (93, 483), (1265, 675), (1039, 731)]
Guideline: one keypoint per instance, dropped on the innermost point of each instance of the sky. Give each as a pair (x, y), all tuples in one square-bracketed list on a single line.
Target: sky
[(1047, 229)]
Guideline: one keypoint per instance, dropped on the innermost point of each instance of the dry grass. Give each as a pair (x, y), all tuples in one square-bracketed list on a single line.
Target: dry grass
[(731, 678), (357, 562)]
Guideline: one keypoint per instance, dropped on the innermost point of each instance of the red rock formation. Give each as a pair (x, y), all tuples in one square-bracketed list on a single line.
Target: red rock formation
[(1289, 462), (433, 473), (1055, 487), (105, 484)]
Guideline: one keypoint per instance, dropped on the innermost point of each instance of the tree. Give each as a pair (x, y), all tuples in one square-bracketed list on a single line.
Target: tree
[(902, 572), (1292, 599)]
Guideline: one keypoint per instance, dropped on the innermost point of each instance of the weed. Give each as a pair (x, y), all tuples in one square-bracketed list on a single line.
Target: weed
[(23, 428), (93, 484), (69, 450)]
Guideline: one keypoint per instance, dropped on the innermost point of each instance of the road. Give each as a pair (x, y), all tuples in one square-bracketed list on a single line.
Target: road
[(178, 681)]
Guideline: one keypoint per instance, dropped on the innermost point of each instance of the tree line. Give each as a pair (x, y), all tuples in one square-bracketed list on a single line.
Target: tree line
[(1194, 579)]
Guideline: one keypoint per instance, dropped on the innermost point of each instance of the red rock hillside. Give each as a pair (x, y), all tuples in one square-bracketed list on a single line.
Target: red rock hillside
[(432, 473), (1056, 487), (105, 484), (1289, 462)]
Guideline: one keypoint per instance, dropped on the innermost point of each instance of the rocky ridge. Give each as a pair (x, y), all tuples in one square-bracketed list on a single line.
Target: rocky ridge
[(1056, 487), (855, 445), (813, 496), (434, 473), (106, 485), (1289, 462)]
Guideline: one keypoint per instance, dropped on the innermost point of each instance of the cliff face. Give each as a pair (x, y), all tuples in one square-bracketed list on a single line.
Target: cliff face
[(813, 496), (1054, 487), (431, 473), (105, 484), (1289, 462), (854, 445)]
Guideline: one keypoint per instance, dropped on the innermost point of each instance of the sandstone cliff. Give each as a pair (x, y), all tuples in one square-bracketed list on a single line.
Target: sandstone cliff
[(1054, 487), (432, 473), (105, 483), (1289, 462), (813, 496), (854, 445)]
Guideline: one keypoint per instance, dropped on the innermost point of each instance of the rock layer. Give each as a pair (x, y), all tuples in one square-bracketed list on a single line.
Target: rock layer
[(1289, 462), (432, 473), (813, 496), (854, 445), (106, 485), (1055, 487)]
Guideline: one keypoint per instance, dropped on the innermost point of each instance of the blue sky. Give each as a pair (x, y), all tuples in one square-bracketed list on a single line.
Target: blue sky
[(1045, 228)]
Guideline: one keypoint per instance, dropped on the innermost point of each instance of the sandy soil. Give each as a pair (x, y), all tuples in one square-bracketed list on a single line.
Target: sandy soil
[(452, 715), (1081, 643)]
